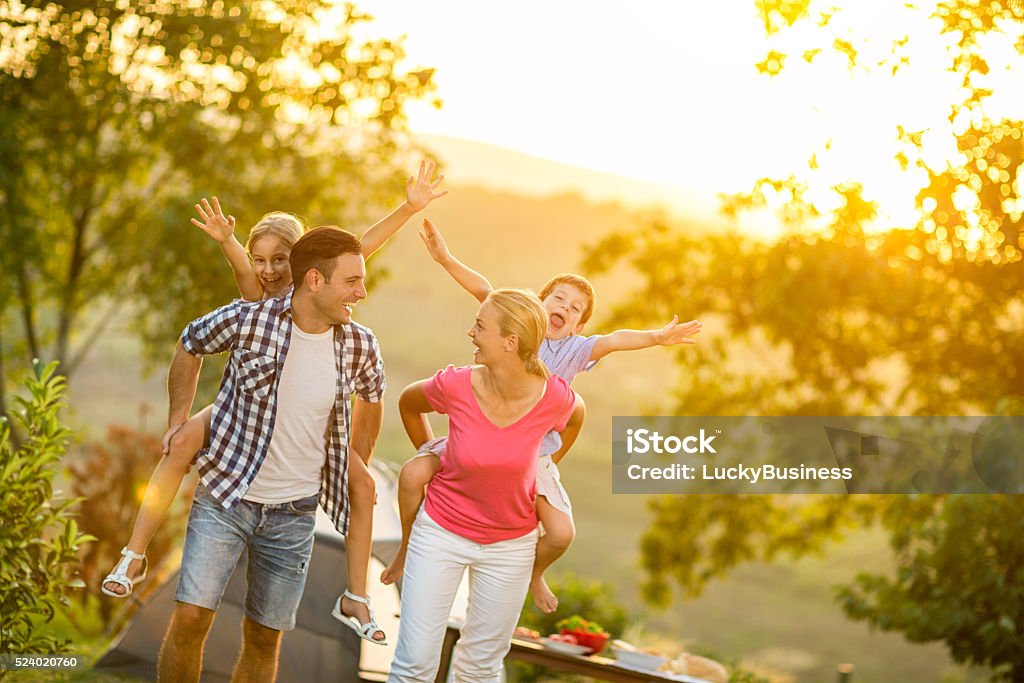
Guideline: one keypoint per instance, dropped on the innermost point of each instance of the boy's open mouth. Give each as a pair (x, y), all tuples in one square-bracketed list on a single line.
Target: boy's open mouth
[(556, 321)]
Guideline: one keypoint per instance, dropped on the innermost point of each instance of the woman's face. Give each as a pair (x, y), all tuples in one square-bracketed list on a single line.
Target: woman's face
[(486, 336), (270, 262)]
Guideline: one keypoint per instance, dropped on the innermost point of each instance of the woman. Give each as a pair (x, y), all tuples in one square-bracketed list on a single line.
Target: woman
[(479, 511)]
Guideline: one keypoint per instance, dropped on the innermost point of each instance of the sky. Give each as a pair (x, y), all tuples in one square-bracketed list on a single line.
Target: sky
[(668, 91)]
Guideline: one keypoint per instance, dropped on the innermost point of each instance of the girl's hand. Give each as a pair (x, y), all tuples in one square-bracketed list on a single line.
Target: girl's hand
[(214, 223), (420, 191), (434, 242)]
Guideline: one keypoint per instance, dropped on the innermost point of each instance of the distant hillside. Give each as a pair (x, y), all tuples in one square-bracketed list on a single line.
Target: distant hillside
[(497, 168)]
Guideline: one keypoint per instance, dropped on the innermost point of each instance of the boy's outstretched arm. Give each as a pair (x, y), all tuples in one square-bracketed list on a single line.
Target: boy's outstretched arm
[(419, 192), (631, 340), (222, 229), (413, 407), (470, 280)]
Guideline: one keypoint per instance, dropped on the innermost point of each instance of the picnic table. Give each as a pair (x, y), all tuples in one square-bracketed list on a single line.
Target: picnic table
[(592, 666)]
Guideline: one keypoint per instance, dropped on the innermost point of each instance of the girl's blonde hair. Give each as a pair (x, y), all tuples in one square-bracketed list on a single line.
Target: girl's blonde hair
[(522, 314), (284, 226)]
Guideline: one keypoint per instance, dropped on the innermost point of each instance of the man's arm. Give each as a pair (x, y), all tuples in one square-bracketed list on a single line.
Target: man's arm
[(572, 429), (182, 380), (413, 407), (366, 421), (631, 340), (470, 280), (418, 193), (222, 229)]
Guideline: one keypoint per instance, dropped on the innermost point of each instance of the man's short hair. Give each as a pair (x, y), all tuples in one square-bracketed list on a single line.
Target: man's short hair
[(318, 249)]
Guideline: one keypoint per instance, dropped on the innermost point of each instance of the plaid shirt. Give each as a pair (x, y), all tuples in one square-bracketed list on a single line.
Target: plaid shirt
[(257, 335)]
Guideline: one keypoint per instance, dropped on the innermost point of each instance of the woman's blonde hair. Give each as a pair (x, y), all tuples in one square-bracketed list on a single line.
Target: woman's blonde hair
[(522, 314), (284, 226)]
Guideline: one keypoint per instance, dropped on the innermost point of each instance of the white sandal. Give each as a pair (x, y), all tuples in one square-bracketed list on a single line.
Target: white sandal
[(364, 631), (120, 574)]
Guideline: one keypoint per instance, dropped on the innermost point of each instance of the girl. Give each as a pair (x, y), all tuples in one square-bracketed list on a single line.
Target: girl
[(479, 512), (568, 301), (268, 275)]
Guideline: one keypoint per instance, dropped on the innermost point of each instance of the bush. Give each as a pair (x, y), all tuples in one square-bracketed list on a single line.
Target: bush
[(587, 598), (590, 599), (39, 538)]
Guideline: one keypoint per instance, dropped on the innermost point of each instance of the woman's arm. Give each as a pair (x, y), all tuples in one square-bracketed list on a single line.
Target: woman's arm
[(413, 407), (222, 229), (572, 429), (631, 340), (470, 280), (418, 193)]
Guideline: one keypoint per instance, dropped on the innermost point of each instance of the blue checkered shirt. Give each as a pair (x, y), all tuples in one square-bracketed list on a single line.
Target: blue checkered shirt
[(257, 335)]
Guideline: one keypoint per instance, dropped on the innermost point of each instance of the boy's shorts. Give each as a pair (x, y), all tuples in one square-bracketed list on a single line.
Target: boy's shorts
[(279, 537)]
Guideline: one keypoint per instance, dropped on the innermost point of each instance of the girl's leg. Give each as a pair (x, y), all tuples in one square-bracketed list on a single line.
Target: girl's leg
[(164, 484), (416, 473), (362, 492), (559, 532)]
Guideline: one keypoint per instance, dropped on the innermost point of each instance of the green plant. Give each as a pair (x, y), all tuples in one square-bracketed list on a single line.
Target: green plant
[(39, 538), (576, 596)]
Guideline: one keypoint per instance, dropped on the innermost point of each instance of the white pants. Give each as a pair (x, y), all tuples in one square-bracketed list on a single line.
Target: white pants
[(499, 576)]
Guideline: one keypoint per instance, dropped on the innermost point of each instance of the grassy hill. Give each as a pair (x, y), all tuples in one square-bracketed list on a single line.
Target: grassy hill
[(778, 617)]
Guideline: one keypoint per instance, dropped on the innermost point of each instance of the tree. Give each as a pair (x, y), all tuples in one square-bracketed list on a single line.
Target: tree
[(39, 536), (959, 579), (115, 117), (844, 315)]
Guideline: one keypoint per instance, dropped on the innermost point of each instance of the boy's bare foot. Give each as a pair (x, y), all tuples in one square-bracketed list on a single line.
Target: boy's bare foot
[(354, 608), (543, 598), (393, 572)]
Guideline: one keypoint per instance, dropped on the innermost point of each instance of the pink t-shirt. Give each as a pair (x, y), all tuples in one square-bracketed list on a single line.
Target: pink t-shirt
[(486, 486)]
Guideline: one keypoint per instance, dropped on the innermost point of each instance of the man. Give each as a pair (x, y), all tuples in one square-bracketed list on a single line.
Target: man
[(279, 444)]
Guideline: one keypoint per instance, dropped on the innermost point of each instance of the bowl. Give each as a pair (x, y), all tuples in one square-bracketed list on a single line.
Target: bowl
[(632, 659), (594, 642)]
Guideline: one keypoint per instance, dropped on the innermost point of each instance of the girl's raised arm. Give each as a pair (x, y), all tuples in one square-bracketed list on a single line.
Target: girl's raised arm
[(419, 192), (222, 229)]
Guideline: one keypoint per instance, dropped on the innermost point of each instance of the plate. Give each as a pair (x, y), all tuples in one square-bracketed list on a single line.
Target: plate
[(638, 660), (564, 648)]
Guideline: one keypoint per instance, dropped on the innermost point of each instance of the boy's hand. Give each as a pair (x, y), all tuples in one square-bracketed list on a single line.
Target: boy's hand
[(420, 191), (214, 223), (677, 333), (434, 242)]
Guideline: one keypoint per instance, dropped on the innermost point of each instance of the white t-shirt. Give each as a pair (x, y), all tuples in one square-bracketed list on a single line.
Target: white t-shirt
[(305, 399)]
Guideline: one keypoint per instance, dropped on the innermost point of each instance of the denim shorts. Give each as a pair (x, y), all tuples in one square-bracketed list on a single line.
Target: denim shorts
[(279, 538)]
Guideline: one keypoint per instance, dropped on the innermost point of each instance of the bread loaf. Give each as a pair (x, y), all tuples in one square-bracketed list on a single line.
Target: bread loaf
[(700, 667)]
